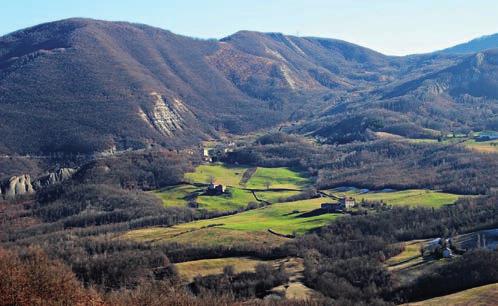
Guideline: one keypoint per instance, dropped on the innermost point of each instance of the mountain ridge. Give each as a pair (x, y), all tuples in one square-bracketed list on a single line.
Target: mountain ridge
[(483, 43), (82, 85)]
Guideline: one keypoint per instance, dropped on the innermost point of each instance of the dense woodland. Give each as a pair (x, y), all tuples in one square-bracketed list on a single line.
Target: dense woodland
[(344, 260), (69, 229), (376, 164)]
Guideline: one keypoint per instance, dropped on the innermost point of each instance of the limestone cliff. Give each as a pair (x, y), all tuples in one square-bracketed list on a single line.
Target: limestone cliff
[(53, 178), (17, 186), (21, 185)]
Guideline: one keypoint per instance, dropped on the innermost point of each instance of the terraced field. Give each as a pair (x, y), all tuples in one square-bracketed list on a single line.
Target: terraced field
[(410, 197)]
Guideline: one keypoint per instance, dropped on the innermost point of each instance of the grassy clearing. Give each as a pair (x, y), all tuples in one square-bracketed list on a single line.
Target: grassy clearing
[(490, 146), (284, 218), (177, 195), (246, 227), (484, 295), (411, 252), (278, 177), (482, 146), (222, 174), (410, 197), (275, 196), (211, 236), (234, 198), (294, 289), (190, 269)]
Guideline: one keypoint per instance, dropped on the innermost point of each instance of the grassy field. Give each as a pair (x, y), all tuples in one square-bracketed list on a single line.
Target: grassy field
[(409, 264), (222, 174), (410, 253), (467, 141), (234, 198), (284, 218), (249, 226), (177, 195), (231, 175), (275, 196), (278, 177), (209, 236), (482, 146), (484, 295), (190, 269), (410, 197)]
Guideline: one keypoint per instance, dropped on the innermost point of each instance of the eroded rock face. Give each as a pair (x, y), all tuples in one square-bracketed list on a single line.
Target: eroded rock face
[(17, 186), (21, 185), (166, 115), (54, 177)]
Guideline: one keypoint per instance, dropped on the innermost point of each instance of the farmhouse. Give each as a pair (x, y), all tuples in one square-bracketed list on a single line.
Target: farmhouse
[(344, 204), (439, 247), (347, 202), (215, 189)]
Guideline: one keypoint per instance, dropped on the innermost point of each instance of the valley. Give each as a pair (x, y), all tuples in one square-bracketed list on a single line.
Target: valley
[(146, 167)]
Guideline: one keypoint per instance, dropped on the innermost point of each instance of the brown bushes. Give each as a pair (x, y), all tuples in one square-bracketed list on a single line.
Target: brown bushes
[(30, 278)]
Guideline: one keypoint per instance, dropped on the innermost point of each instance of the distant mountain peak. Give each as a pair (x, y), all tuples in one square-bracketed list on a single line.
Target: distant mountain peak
[(479, 44)]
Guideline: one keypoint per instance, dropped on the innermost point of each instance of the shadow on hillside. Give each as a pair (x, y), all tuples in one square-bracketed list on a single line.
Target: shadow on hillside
[(312, 213)]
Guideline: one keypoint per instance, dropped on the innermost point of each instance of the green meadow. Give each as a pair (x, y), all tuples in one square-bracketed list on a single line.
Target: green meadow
[(177, 195), (284, 218), (410, 197), (276, 196), (278, 178), (238, 195), (233, 199), (221, 173)]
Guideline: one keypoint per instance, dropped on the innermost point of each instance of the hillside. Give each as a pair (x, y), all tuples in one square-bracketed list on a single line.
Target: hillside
[(460, 97), (484, 295), (475, 45), (82, 85)]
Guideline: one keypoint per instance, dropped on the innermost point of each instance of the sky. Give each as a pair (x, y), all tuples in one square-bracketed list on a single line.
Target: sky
[(394, 27)]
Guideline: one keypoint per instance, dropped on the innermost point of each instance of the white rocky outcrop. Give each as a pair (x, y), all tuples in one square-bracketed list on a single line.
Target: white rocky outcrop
[(166, 116), (53, 178), (21, 185), (17, 186)]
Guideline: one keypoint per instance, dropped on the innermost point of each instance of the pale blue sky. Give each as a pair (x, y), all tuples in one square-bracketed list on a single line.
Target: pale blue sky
[(389, 26)]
